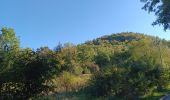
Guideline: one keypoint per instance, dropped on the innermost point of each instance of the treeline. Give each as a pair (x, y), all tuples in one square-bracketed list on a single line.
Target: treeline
[(127, 65)]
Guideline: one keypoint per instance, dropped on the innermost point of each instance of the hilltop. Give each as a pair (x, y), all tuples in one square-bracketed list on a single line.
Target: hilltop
[(124, 65)]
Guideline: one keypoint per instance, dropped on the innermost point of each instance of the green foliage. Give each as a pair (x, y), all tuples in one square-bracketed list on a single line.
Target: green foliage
[(8, 40), (161, 8), (106, 82), (86, 53), (133, 73), (9, 46), (102, 58), (128, 82), (24, 71), (28, 74), (125, 65)]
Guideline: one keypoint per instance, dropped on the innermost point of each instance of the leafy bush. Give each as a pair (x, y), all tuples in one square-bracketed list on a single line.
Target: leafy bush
[(135, 78)]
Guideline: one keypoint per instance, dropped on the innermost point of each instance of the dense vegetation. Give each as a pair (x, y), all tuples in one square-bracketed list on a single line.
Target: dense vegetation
[(124, 65)]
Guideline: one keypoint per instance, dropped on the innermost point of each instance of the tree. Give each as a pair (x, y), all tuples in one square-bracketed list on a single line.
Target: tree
[(135, 77), (8, 40), (103, 57), (58, 47), (69, 55), (9, 46), (161, 8)]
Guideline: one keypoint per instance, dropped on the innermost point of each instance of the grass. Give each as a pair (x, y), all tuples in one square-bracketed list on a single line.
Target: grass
[(157, 95)]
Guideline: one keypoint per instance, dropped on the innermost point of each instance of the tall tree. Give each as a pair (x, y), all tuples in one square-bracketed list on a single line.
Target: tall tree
[(9, 45), (161, 8), (8, 40)]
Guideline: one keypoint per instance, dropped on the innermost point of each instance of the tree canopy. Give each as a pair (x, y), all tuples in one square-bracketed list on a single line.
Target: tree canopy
[(126, 65), (161, 8)]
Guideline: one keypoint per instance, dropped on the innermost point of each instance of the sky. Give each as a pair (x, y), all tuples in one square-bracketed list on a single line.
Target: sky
[(40, 23)]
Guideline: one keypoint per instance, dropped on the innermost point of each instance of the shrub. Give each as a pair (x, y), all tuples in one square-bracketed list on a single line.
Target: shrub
[(139, 77)]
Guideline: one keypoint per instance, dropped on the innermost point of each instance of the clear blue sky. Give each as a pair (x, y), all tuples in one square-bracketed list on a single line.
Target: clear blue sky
[(47, 22)]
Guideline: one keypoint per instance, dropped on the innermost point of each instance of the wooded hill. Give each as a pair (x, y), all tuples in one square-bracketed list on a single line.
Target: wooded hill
[(123, 65)]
